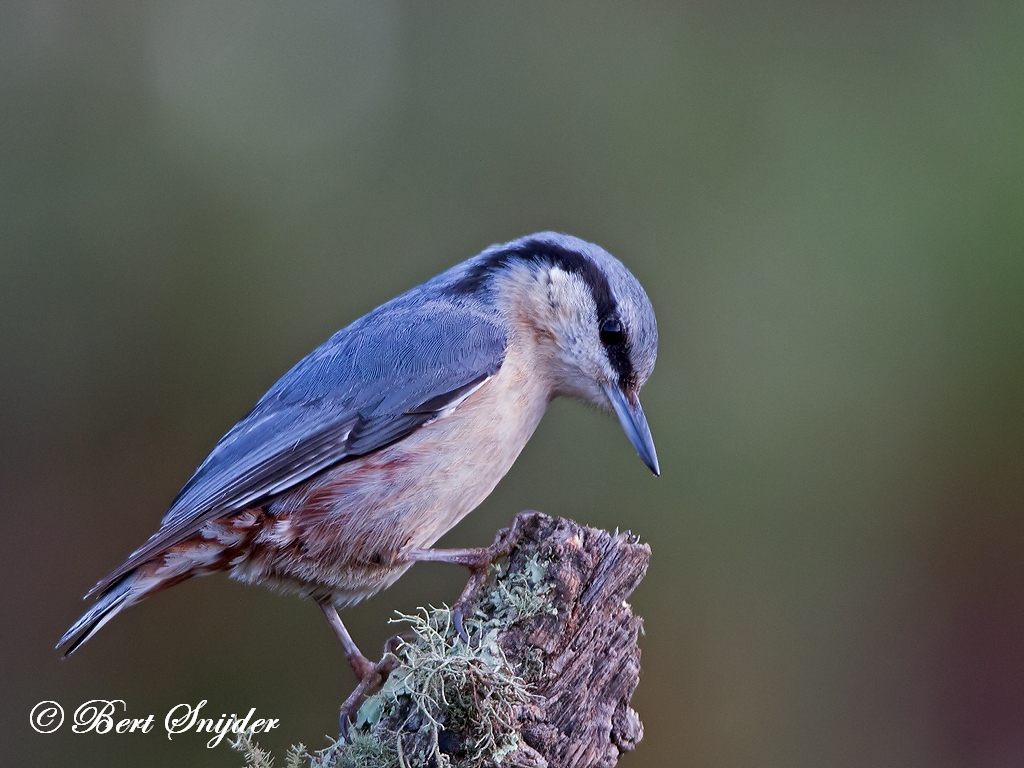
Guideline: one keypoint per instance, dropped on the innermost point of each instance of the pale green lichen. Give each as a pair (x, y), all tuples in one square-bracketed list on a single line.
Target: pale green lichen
[(467, 688), (365, 751), (518, 595), (444, 689)]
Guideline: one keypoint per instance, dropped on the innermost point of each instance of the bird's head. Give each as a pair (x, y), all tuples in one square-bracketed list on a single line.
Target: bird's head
[(592, 322)]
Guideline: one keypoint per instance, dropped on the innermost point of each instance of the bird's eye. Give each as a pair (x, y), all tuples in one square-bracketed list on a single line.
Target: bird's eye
[(611, 332)]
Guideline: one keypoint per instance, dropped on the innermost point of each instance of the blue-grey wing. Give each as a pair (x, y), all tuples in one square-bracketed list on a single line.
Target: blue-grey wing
[(368, 386)]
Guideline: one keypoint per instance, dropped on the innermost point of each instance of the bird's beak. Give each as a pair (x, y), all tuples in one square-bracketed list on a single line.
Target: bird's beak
[(632, 418)]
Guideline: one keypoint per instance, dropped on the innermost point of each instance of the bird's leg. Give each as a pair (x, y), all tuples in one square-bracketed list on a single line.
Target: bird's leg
[(370, 675), (477, 560), (361, 666)]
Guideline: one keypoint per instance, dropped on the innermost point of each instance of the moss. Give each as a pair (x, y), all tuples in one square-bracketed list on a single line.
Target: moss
[(365, 751), (254, 756), (467, 694), (448, 703), (518, 594)]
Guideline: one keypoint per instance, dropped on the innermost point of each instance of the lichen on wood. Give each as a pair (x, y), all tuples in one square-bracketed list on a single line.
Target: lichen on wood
[(545, 680)]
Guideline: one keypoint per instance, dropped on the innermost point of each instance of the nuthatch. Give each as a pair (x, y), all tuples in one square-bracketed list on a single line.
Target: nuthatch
[(383, 438)]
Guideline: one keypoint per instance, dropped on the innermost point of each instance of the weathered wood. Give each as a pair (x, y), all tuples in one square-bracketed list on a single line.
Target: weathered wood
[(545, 680), (557, 609), (591, 660)]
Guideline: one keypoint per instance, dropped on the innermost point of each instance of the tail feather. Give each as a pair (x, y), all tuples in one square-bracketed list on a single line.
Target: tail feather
[(194, 557), (113, 600)]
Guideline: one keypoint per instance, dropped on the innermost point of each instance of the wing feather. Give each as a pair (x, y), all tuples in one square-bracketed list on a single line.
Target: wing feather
[(370, 385)]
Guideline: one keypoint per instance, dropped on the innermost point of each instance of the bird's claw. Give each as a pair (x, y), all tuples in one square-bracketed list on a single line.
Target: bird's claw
[(460, 627), (502, 546), (374, 678)]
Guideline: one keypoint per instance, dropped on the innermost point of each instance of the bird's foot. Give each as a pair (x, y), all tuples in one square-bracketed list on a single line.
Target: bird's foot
[(478, 560), (373, 677), (370, 676)]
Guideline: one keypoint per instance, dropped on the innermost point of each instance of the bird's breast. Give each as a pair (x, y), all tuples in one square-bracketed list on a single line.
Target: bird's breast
[(444, 470)]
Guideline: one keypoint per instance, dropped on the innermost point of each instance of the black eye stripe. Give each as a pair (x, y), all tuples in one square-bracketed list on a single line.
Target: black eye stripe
[(613, 336), (475, 281)]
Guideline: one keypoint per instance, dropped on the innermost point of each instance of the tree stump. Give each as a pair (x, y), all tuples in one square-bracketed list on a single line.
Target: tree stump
[(545, 680), (589, 650)]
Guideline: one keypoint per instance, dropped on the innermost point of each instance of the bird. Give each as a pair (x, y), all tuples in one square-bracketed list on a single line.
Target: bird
[(383, 438)]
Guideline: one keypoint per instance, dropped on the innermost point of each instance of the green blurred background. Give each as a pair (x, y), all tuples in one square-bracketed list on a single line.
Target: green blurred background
[(824, 200)]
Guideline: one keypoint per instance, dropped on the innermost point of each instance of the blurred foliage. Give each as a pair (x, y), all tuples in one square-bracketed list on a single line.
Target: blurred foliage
[(825, 201)]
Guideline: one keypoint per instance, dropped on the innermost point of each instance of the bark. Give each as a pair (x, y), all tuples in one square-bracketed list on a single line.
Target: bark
[(589, 650), (544, 681), (558, 611)]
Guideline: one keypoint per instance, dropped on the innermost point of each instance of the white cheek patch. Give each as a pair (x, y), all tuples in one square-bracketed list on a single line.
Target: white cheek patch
[(557, 276), (570, 297)]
